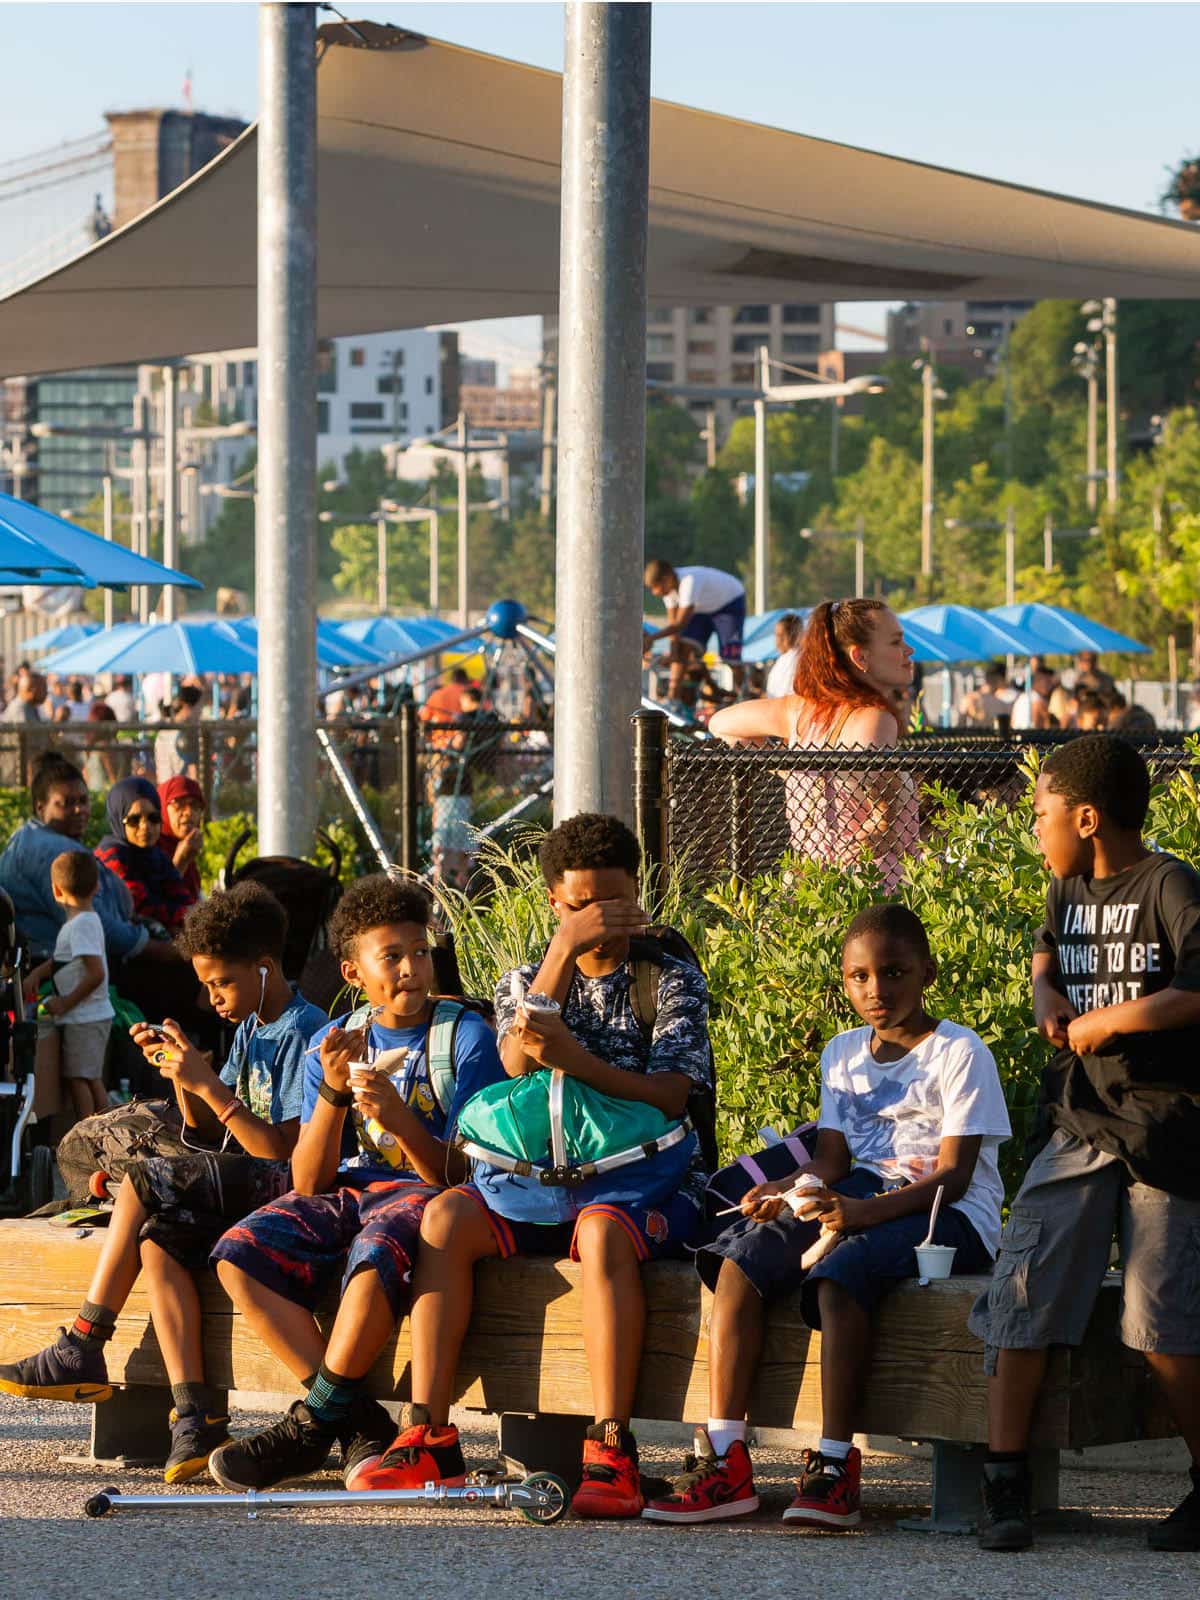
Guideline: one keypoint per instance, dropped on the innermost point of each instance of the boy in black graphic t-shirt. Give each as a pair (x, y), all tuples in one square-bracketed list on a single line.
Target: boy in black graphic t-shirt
[(1116, 986)]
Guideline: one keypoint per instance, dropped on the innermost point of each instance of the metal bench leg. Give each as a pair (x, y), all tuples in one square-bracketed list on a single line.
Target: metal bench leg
[(543, 1441), (955, 1499), (131, 1429)]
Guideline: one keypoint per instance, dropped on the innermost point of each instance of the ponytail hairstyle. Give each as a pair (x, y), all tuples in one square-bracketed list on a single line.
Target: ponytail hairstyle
[(825, 676)]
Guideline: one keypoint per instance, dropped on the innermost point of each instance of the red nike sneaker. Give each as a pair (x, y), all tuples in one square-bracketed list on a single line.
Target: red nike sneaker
[(611, 1485), (827, 1495), (419, 1455), (712, 1487)]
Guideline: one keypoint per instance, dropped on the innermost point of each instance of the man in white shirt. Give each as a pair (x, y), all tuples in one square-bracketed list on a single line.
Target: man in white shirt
[(700, 601), (119, 700)]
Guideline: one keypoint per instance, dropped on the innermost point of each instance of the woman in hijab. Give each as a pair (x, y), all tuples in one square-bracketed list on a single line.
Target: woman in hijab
[(130, 850), (182, 836)]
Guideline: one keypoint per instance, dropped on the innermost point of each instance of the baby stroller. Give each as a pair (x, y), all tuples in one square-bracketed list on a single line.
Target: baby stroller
[(27, 1173), (308, 893)]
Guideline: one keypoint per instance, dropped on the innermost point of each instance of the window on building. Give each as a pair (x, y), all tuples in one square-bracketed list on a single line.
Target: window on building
[(322, 416), (326, 367), (428, 385), (947, 325), (660, 314), (802, 313), (755, 314), (660, 371), (250, 374), (660, 344), (745, 344), (701, 375), (700, 316), (389, 385), (801, 344), (358, 357), (702, 347), (366, 411), (744, 372)]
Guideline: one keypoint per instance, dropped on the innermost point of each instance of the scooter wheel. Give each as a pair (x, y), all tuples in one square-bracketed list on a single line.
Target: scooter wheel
[(100, 1504), (555, 1498)]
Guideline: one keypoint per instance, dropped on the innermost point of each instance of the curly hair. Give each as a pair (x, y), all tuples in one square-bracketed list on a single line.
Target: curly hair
[(237, 924), (378, 901), (586, 842), (890, 920), (1103, 771), (825, 676)]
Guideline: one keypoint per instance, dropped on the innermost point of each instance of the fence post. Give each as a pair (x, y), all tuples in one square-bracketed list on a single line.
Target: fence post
[(650, 788), (205, 765), (410, 796)]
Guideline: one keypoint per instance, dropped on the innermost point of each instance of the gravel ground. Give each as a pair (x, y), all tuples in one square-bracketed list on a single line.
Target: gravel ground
[(48, 1549)]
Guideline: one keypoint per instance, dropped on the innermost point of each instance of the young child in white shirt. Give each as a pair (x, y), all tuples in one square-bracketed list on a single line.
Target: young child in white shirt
[(80, 1007), (909, 1104)]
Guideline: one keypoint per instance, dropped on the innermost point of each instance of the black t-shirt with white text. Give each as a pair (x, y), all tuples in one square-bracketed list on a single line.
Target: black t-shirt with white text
[(1117, 939)]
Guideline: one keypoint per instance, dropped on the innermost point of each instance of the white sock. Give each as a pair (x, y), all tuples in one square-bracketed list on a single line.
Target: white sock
[(836, 1449), (722, 1431)]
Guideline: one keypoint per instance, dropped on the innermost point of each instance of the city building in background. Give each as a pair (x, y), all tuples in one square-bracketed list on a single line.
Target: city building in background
[(967, 334), (516, 406)]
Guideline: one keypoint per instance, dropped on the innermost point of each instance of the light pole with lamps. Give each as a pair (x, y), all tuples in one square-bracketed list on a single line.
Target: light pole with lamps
[(1102, 319), (1050, 533), (929, 393), (1085, 361), (858, 534)]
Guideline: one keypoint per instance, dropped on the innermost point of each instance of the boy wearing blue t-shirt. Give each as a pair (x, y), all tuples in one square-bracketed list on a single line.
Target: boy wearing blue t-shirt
[(170, 1210), (354, 1215)]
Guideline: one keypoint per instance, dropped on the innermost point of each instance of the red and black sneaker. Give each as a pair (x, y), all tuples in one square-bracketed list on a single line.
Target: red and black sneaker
[(419, 1454), (827, 1495), (611, 1485), (711, 1488)]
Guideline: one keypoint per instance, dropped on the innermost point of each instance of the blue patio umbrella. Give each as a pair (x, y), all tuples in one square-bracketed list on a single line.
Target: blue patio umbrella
[(77, 553), (1065, 632), (332, 649), (968, 635), (397, 636), (179, 648), (761, 624), (59, 638), (27, 558)]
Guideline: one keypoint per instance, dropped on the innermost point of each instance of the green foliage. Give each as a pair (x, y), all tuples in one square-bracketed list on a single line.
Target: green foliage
[(220, 834)]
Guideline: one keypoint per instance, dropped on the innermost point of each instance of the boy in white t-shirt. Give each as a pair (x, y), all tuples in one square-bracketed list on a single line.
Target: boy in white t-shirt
[(81, 1006), (908, 1104)]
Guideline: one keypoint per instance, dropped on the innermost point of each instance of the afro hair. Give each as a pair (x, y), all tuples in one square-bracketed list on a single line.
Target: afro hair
[(891, 920), (379, 901), (1103, 771), (588, 842), (238, 924)]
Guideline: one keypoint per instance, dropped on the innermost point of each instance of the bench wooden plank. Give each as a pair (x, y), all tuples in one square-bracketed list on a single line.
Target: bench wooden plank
[(524, 1350)]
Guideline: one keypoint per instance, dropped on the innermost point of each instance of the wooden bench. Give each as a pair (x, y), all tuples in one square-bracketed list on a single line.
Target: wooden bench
[(524, 1355)]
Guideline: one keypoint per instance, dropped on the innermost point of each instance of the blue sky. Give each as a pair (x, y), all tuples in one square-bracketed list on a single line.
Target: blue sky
[(1086, 99)]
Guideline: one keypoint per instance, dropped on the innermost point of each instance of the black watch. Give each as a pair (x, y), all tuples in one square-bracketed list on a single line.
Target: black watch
[(336, 1097)]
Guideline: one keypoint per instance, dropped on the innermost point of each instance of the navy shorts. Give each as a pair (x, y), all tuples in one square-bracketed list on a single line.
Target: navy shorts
[(301, 1244), (656, 1235), (727, 624), (868, 1265)]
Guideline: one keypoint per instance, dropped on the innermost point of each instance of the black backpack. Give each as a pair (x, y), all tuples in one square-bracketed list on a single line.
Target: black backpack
[(646, 952)]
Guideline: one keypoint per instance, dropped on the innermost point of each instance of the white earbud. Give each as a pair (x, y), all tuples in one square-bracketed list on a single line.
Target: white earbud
[(262, 972)]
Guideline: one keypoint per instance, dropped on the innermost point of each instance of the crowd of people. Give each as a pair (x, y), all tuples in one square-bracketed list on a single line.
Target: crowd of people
[(1091, 703), (343, 1156)]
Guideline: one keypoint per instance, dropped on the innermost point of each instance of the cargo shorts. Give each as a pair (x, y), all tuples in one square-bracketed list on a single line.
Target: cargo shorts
[(1054, 1253)]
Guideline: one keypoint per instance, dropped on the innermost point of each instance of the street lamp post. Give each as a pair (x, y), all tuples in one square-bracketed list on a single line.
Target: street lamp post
[(170, 485), (762, 485), (1102, 319), (1085, 363), (107, 488), (929, 393), (1050, 533)]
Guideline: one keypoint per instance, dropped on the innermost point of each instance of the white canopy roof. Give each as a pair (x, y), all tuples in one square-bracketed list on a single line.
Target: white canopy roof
[(438, 196)]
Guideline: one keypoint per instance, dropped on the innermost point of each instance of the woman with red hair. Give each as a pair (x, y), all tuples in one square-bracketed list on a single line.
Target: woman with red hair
[(853, 672)]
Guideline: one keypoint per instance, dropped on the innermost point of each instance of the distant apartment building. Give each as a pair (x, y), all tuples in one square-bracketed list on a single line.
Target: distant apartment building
[(716, 346), (512, 409), (967, 334), (476, 373)]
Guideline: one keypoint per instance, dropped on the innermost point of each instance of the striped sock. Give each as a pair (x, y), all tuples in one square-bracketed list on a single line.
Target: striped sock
[(94, 1324), (331, 1396)]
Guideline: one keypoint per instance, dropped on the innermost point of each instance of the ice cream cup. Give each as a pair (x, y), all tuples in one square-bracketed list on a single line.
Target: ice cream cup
[(935, 1260)]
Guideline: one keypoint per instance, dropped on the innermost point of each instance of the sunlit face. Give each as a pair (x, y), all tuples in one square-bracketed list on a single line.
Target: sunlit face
[(581, 887), (143, 823), (393, 966), (184, 814), (1064, 831), (65, 809), (885, 659), (235, 988), (885, 978)]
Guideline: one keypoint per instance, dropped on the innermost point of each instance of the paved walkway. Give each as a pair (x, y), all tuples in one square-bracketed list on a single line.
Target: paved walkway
[(48, 1550)]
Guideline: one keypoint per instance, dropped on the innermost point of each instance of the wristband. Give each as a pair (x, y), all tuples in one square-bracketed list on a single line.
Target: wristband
[(336, 1097), (227, 1110)]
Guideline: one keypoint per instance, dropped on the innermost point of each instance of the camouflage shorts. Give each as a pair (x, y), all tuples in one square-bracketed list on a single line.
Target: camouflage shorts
[(192, 1199)]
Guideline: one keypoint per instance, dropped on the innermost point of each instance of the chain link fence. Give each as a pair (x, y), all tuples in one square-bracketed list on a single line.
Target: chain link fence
[(479, 776), (737, 811)]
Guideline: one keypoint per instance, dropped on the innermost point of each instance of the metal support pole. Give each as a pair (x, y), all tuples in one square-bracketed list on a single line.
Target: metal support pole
[(139, 536), (650, 794), (1048, 544), (602, 459), (381, 553), (860, 559), (107, 489), (762, 485), (928, 383), (549, 442), (1010, 557), (1111, 399), (410, 788), (434, 559), (464, 513), (835, 432), (710, 438), (285, 556), (505, 506), (1093, 406), (170, 497)]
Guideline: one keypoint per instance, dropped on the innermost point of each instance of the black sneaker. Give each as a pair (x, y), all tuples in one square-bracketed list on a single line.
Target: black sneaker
[(69, 1369), (365, 1439), (1005, 1506), (1181, 1530), (293, 1447), (194, 1437)]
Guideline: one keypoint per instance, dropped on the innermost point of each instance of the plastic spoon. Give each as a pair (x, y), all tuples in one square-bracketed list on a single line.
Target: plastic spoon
[(933, 1216)]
